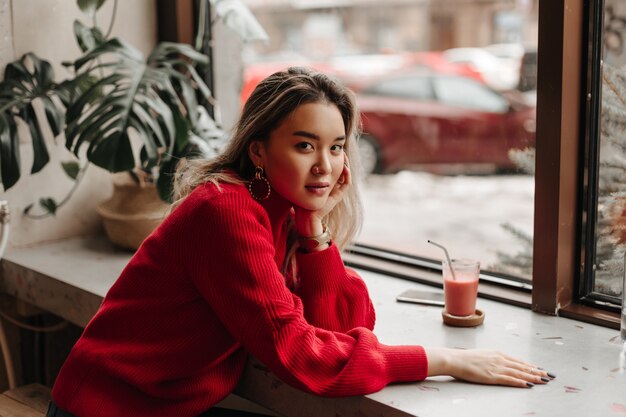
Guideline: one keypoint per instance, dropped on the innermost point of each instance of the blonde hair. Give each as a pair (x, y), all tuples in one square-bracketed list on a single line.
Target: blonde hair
[(271, 102)]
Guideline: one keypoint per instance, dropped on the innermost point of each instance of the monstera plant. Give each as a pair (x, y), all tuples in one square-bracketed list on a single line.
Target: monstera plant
[(116, 96)]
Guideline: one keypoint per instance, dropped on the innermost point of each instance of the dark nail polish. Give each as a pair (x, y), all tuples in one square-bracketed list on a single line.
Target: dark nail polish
[(551, 375), (544, 379), (530, 384)]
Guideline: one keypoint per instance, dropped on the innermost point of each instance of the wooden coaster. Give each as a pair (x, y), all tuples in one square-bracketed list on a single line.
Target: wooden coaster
[(475, 319)]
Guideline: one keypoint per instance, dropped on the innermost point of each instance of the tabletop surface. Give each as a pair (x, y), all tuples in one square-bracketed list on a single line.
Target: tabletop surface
[(70, 277)]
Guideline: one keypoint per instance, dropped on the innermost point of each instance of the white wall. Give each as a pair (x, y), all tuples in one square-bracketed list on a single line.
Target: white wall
[(228, 67), (45, 28)]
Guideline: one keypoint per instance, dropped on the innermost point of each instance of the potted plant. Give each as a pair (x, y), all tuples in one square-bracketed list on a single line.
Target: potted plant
[(115, 98)]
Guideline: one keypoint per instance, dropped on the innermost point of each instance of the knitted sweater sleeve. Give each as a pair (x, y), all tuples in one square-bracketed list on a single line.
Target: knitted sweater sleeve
[(334, 297), (231, 261)]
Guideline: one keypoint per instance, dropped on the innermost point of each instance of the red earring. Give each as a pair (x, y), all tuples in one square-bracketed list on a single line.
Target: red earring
[(259, 187)]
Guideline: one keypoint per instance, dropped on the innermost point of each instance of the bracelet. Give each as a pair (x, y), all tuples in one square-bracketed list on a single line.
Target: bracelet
[(310, 243)]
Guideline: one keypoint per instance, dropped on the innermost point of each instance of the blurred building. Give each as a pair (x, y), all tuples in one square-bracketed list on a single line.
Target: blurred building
[(323, 28)]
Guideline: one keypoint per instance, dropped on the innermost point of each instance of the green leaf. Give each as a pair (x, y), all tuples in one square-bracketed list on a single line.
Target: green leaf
[(112, 153), (166, 50), (26, 80), (146, 118), (69, 90), (87, 38), (90, 96), (182, 126), (53, 115), (43, 72), (165, 182), (49, 205), (90, 7), (115, 46), (16, 70), (71, 168), (9, 152), (41, 157), (165, 117), (147, 137), (191, 104), (95, 126)]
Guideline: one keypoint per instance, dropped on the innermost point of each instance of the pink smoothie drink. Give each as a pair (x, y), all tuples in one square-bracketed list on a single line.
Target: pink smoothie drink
[(460, 293)]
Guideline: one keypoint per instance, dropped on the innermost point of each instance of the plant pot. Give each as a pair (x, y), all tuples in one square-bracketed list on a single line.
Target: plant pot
[(131, 214)]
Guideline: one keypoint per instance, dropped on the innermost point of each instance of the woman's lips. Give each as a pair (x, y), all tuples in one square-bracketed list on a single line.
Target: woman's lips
[(318, 188)]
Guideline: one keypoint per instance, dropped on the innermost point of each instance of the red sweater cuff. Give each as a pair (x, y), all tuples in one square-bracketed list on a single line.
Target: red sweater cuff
[(405, 363), (321, 272)]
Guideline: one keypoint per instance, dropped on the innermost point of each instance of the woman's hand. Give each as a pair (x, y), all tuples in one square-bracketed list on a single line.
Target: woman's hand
[(485, 367), (308, 222)]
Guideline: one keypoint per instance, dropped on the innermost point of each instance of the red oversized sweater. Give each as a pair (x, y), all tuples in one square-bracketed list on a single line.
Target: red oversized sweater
[(204, 290)]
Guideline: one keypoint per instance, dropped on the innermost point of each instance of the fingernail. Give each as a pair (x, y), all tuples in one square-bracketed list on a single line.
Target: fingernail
[(544, 379), (551, 375), (530, 384)]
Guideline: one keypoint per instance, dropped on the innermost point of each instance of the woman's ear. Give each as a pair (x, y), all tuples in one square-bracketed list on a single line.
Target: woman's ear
[(256, 152)]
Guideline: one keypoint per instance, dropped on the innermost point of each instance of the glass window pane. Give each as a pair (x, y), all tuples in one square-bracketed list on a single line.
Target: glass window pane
[(446, 91), (611, 224)]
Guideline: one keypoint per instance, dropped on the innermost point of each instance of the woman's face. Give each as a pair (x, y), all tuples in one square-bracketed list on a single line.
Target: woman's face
[(304, 156)]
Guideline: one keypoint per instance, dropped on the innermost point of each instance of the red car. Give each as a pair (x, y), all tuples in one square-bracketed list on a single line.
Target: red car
[(451, 120)]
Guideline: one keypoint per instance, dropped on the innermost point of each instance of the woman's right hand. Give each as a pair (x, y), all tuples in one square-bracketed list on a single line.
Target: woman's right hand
[(485, 367)]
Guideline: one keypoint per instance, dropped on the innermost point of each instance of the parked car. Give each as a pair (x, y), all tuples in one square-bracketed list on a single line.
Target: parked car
[(434, 118), (254, 73), (499, 74), (358, 70), (355, 70)]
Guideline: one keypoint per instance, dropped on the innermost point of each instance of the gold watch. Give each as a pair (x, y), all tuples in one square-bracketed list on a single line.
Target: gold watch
[(310, 243)]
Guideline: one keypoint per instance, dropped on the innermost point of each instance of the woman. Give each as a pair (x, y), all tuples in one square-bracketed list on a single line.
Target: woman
[(248, 262)]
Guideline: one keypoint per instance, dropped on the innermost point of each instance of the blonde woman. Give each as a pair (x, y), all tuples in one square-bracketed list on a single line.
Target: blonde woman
[(249, 261)]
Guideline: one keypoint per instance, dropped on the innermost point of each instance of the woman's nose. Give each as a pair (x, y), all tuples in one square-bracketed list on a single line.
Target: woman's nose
[(322, 166)]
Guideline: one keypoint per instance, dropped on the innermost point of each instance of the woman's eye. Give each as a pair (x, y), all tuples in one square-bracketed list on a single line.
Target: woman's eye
[(304, 146), (337, 148)]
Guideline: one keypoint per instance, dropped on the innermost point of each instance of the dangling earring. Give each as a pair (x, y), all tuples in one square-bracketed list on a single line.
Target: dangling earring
[(259, 187)]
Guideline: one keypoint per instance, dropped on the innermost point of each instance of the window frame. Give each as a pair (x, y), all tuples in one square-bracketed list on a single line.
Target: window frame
[(586, 289), (562, 182)]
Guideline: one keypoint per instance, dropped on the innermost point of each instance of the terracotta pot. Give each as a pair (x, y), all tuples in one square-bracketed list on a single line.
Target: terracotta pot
[(131, 214)]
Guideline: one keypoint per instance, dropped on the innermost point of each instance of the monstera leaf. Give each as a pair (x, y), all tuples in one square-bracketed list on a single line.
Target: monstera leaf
[(26, 81), (90, 7), (113, 94), (155, 97)]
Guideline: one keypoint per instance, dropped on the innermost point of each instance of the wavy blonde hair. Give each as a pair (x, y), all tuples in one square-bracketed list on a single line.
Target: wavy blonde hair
[(276, 97)]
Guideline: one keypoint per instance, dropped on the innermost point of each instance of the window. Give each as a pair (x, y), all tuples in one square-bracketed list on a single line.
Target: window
[(458, 171), (605, 262)]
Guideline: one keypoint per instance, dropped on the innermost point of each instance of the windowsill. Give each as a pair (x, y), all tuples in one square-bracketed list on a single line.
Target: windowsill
[(70, 277), (591, 315)]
